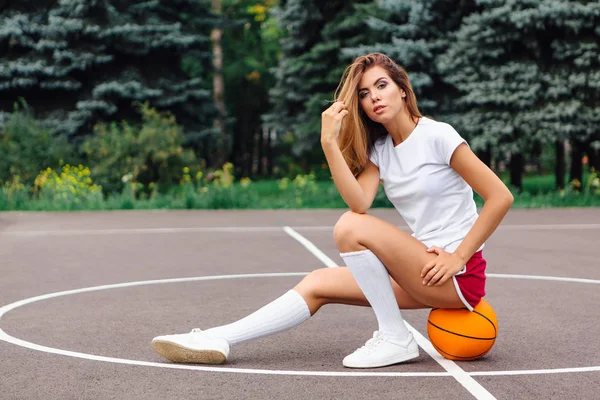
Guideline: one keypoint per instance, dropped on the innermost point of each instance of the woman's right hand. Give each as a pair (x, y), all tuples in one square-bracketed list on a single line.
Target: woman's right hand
[(331, 122)]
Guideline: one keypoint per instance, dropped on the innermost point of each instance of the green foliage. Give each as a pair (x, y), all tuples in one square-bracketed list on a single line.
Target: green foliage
[(415, 34), (302, 186), (27, 147), (14, 195), (527, 70), (72, 189), (250, 52), (219, 190), (310, 69), (574, 195), (214, 190), (148, 153), (593, 184), (512, 76), (84, 61)]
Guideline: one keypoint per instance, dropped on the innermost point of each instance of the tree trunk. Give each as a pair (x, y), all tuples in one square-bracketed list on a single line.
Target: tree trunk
[(236, 151), (261, 151), (594, 158), (559, 170), (207, 153), (576, 175), (242, 136), (516, 171), (219, 88), (269, 152), (249, 156), (485, 156)]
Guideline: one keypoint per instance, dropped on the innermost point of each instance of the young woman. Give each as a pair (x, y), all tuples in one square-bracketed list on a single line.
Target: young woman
[(373, 133)]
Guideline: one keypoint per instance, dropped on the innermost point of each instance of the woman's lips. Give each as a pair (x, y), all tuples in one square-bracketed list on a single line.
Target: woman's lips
[(378, 109)]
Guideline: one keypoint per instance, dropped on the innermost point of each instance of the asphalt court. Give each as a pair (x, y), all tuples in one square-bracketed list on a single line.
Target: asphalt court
[(548, 344)]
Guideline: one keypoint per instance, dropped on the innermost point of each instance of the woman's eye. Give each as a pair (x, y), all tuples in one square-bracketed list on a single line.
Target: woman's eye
[(381, 85), (362, 94)]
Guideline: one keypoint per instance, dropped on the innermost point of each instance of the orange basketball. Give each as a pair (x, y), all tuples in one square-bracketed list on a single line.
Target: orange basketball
[(459, 334)]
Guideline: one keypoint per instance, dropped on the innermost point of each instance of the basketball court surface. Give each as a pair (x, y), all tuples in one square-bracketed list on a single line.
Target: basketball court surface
[(83, 294)]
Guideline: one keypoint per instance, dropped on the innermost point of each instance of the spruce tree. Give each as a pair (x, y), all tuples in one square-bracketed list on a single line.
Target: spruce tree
[(80, 61), (324, 67), (301, 21), (310, 69), (528, 71), (414, 34)]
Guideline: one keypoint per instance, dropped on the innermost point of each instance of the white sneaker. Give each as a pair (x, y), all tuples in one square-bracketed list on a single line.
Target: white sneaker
[(380, 351), (194, 347)]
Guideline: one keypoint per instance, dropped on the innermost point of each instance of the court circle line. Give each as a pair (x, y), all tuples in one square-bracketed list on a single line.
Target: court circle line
[(22, 343)]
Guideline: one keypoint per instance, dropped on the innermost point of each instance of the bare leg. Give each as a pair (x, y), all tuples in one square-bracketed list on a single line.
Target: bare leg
[(337, 286), (402, 254)]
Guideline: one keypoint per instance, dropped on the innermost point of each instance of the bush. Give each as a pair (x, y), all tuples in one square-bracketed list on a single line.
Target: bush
[(214, 190), (27, 147), (151, 152), (73, 189), (593, 183), (14, 195), (302, 187)]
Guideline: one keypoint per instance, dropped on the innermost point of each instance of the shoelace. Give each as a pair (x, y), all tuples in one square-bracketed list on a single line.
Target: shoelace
[(199, 334), (372, 343)]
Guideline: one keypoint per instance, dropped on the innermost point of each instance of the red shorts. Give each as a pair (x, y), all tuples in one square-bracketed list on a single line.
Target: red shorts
[(470, 282)]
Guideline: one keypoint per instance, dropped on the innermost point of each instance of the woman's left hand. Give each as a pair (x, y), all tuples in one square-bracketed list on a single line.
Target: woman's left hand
[(442, 268)]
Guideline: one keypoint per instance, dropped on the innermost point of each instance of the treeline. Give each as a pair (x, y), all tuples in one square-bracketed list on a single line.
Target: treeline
[(247, 79)]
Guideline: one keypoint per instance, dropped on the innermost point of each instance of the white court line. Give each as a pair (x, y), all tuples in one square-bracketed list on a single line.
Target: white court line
[(536, 371), (136, 231), (467, 381), (308, 245), (543, 278), (19, 342), (33, 346), (544, 227), (244, 229)]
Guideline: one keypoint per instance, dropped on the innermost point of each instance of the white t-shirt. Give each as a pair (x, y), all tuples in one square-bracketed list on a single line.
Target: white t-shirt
[(433, 199)]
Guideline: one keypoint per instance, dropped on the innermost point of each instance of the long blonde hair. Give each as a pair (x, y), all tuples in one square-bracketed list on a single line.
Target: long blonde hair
[(358, 132)]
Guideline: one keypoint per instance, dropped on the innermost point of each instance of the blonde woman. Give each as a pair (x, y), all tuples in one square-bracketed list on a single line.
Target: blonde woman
[(375, 133)]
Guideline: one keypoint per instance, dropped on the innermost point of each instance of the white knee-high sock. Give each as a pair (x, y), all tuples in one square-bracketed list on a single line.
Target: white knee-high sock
[(374, 281), (285, 312)]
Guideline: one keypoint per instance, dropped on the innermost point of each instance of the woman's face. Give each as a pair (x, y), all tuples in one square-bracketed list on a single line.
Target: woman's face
[(379, 96)]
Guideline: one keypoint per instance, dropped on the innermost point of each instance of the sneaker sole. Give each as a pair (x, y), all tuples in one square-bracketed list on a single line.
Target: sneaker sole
[(179, 354), (385, 363)]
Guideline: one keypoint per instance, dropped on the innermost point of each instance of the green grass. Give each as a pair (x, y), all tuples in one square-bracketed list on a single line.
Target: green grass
[(300, 193), (541, 184)]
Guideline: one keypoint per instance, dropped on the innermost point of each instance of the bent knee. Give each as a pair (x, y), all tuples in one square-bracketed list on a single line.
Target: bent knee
[(346, 230), (311, 283), (311, 288)]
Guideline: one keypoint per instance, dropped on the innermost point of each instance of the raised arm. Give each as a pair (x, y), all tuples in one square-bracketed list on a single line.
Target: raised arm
[(358, 193)]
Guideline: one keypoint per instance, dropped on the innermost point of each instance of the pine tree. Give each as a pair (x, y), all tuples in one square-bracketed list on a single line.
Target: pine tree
[(301, 21), (528, 71), (310, 68), (414, 34), (80, 61)]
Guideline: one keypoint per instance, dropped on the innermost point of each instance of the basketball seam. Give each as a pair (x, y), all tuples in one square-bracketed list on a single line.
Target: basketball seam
[(467, 358), (494, 325), (465, 336)]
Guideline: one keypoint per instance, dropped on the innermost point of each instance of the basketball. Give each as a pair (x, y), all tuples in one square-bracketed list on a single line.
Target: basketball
[(460, 334)]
